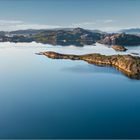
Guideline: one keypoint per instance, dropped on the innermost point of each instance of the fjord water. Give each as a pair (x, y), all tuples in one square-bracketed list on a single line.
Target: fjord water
[(45, 98)]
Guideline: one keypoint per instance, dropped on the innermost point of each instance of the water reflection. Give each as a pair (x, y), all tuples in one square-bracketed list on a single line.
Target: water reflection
[(87, 68)]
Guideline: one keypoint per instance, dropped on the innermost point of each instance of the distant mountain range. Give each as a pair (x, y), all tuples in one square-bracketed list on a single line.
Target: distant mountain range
[(73, 36), (131, 31), (36, 31), (76, 36)]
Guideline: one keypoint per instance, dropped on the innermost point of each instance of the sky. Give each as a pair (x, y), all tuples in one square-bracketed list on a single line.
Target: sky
[(106, 15)]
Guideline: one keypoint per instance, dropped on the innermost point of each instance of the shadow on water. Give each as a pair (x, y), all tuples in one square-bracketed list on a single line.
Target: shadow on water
[(92, 69), (87, 68)]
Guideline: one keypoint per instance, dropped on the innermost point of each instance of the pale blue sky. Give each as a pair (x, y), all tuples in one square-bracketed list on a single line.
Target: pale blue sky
[(92, 14)]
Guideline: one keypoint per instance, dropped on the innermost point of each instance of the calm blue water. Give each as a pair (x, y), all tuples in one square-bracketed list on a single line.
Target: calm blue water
[(45, 98)]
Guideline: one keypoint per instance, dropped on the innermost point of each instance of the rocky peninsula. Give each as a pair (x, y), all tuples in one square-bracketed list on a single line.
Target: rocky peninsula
[(127, 64)]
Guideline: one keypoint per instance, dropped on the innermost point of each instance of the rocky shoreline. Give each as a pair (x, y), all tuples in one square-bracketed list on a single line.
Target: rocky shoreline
[(127, 64)]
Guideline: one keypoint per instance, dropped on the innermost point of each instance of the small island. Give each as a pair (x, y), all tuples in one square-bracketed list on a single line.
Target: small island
[(127, 64), (119, 48)]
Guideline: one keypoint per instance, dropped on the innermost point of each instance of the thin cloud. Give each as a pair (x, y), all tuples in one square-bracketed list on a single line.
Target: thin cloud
[(83, 24), (95, 23), (110, 29), (35, 26), (10, 22), (106, 21), (10, 25)]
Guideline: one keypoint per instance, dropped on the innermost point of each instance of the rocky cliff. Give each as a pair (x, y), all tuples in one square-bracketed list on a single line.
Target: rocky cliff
[(120, 39)]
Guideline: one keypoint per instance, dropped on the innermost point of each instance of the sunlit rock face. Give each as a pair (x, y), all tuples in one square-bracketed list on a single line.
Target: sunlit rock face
[(119, 48), (120, 39)]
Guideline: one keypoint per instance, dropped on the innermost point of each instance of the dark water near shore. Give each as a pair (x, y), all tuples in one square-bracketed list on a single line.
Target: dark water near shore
[(45, 98)]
